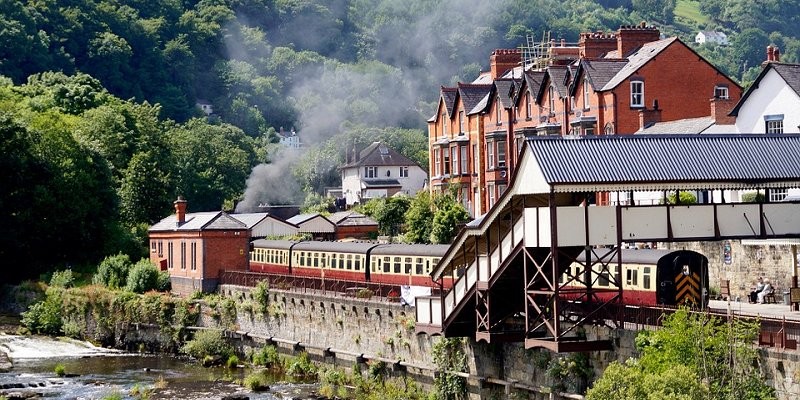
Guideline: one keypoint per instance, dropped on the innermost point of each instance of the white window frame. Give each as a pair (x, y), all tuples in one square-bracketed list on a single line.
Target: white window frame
[(476, 162), (437, 159), (721, 92), (637, 94), (463, 159), (499, 113), (501, 153), (446, 161), (586, 102), (551, 93), (461, 122), (778, 194), (454, 160), (444, 124), (773, 123), (403, 172), (490, 155), (370, 172), (528, 105)]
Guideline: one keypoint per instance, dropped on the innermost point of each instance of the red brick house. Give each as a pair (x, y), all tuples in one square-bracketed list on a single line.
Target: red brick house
[(195, 247), (609, 83)]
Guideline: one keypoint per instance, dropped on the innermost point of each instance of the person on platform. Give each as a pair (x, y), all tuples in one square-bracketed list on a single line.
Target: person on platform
[(764, 291), (759, 287)]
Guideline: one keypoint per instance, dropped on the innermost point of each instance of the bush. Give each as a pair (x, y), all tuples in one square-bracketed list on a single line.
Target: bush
[(60, 370), (208, 343), (62, 279), (113, 271), (143, 277), (232, 362), (302, 367), (163, 283), (267, 356), (44, 317), (256, 382)]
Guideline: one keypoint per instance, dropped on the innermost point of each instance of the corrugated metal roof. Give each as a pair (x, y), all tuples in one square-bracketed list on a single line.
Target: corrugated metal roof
[(628, 159)]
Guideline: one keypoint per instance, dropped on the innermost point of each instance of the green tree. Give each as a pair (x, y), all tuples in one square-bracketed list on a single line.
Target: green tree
[(449, 215), (142, 277), (113, 271), (419, 218), (693, 356), (392, 214)]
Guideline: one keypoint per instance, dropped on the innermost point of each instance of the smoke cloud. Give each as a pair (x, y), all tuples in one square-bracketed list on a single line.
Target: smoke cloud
[(271, 184)]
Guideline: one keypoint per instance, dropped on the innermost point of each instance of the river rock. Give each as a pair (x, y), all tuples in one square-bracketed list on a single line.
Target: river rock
[(235, 397), (5, 362), (22, 395)]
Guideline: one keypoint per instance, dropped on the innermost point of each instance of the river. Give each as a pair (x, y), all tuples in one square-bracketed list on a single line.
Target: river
[(96, 373)]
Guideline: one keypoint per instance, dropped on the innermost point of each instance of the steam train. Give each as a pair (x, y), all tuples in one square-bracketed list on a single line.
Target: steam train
[(649, 277), (398, 264)]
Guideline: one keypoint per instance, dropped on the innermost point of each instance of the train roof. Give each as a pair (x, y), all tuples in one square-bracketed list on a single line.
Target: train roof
[(431, 250), (273, 244), (631, 256), (339, 247)]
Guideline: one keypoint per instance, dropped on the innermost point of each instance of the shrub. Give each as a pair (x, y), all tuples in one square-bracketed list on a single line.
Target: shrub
[(208, 343), (163, 283), (302, 367), (232, 362), (261, 296), (44, 317), (364, 293), (60, 370), (143, 277), (267, 356), (113, 271), (62, 279), (256, 382)]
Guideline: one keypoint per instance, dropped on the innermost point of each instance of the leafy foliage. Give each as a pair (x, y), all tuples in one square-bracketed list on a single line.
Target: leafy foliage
[(113, 271), (693, 356), (62, 279), (143, 277), (208, 343), (449, 357)]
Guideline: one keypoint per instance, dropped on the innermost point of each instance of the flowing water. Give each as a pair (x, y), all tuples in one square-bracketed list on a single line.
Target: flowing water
[(95, 373)]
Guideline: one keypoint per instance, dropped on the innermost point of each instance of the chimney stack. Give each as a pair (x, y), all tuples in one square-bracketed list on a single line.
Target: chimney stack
[(720, 108), (632, 37), (180, 210), (596, 44), (503, 60), (773, 55), (649, 117)]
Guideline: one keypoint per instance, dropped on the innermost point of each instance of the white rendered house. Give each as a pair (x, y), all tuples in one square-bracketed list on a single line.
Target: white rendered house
[(379, 171)]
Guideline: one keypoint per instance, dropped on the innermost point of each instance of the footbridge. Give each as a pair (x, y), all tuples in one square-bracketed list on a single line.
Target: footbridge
[(514, 281)]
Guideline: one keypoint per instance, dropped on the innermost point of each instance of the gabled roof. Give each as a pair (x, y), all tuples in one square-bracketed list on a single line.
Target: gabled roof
[(472, 94), (449, 99), (790, 73), (378, 154), (253, 219), (302, 218), (558, 75), (599, 72), (728, 161), (200, 221), (351, 218), (638, 59), (503, 91), (482, 105), (533, 80)]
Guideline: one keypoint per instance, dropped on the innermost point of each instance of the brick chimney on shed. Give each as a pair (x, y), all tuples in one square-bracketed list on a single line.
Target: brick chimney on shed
[(720, 108), (503, 60), (631, 37), (180, 210), (773, 55)]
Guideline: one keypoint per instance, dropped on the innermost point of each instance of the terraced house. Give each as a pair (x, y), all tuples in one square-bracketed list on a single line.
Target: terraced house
[(606, 84)]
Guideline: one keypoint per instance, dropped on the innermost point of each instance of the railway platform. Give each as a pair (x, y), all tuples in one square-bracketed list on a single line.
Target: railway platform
[(743, 308)]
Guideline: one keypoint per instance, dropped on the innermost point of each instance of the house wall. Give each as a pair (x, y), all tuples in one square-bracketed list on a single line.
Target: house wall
[(680, 94), (773, 96), (317, 224), (351, 185)]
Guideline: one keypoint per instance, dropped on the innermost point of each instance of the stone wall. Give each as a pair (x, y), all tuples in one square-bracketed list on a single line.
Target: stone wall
[(351, 329), (745, 264)]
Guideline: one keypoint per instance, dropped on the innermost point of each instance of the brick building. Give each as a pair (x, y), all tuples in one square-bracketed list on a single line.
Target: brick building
[(195, 247), (607, 83)]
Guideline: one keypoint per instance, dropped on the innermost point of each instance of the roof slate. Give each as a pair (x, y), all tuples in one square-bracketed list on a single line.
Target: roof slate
[(449, 98), (600, 72), (503, 89), (372, 183), (637, 60), (472, 94), (667, 158), (199, 221), (688, 125), (375, 155), (789, 72)]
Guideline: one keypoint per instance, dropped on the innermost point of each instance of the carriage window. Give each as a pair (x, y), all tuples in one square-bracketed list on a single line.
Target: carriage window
[(315, 257), (646, 278), (341, 261), (420, 266), (408, 264), (358, 263), (602, 279), (632, 277), (303, 258), (387, 264), (397, 265)]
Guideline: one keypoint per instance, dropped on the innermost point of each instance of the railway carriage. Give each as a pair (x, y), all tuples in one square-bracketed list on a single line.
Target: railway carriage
[(651, 277), (270, 256), (335, 260), (405, 264)]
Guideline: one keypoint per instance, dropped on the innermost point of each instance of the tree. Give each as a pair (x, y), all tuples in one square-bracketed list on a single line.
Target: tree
[(391, 214), (693, 356), (419, 218), (143, 277), (448, 215), (113, 271)]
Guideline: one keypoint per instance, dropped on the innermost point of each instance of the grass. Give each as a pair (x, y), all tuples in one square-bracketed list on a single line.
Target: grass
[(689, 10), (60, 370)]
